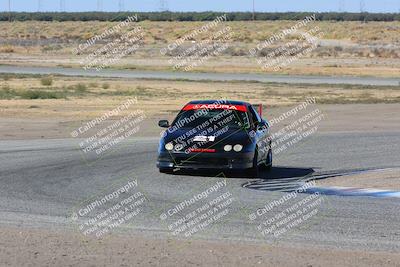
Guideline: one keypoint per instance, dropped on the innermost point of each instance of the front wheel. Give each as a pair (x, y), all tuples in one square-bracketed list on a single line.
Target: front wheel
[(268, 163), (254, 171)]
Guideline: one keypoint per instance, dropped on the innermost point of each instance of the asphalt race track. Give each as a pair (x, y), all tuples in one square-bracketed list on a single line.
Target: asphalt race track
[(43, 181), (140, 74)]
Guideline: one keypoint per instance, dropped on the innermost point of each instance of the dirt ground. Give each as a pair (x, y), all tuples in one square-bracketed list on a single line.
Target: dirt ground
[(330, 66), (346, 48), (68, 248), (70, 101), (338, 118)]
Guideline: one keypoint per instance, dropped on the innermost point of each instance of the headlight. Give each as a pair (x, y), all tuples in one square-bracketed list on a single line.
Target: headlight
[(169, 146), (238, 148), (228, 148), (178, 147)]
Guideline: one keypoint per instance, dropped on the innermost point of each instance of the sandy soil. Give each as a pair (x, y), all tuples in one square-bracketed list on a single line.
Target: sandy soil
[(37, 125), (19, 247), (346, 48), (376, 67)]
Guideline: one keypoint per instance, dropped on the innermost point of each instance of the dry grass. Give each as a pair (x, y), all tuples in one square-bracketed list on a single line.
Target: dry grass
[(162, 32), (349, 48), (82, 97), (7, 49)]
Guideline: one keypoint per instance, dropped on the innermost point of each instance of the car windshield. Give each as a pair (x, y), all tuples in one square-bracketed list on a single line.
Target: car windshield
[(208, 117)]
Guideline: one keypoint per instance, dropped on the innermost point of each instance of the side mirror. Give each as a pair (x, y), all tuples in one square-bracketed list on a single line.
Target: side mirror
[(262, 126), (163, 123), (256, 125)]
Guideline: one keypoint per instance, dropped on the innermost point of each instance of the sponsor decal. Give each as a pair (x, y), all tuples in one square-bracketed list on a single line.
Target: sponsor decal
[(215, 106), (204, 139), (204, 150)]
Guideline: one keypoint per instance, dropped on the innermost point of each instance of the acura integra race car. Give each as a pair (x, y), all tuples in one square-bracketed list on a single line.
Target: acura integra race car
[(208, 134)]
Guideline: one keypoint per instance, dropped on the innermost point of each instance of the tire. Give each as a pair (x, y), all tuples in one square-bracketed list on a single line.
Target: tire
[(268, 165), (166, 170), (254, 171)]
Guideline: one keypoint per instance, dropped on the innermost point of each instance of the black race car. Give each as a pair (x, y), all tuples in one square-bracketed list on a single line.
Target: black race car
[(215, 134)]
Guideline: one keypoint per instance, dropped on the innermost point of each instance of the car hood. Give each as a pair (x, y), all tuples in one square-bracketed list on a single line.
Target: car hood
[(221, 135)]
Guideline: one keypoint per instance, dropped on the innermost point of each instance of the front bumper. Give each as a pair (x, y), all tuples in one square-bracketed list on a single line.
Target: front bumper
[(225, 160)]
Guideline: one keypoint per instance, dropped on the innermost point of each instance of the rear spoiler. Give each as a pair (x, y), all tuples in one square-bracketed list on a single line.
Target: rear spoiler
[(259, 108)]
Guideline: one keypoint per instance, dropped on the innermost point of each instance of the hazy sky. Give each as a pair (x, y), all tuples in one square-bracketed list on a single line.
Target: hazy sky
[(204, 5)]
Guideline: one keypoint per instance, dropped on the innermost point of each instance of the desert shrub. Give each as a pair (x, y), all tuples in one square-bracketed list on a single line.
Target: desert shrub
[(6, 77), (193, 16), (93, 85), (46, 81), (6, 92), (49, 48), (40, 94), (7, 49), (141, 90), (80, 88)]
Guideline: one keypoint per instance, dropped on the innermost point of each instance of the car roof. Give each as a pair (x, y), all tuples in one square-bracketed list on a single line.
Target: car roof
[(220, 101)]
